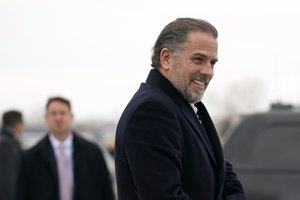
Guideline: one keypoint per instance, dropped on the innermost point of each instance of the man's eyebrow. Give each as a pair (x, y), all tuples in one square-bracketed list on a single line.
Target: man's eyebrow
[(199, 54), (215, 60), (204, 56)]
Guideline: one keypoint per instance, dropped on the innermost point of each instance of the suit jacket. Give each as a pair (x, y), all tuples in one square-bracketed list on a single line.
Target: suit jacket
[(163, 152), (9, 166), (38, 179)]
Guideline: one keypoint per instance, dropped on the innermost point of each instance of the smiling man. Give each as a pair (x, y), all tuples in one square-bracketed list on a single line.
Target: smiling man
[(63, 166), (166, 144)]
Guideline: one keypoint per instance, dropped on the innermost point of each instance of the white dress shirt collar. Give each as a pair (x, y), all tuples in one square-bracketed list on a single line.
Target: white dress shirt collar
[(194, 107), (67, 143), (196, 110)]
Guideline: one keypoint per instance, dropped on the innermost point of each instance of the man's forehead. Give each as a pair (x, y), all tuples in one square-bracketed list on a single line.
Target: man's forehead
[(201, 38)]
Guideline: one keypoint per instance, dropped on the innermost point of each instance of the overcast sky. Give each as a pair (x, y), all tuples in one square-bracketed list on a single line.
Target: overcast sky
[(96, 52)]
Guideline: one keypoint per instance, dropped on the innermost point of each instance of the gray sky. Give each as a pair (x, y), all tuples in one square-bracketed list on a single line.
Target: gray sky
[(97, 52)]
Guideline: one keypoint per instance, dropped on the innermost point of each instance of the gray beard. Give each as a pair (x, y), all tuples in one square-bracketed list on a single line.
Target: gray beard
[(181, 84)]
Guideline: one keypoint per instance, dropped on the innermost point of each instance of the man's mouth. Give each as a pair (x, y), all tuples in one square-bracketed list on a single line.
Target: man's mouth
[(199, 82)]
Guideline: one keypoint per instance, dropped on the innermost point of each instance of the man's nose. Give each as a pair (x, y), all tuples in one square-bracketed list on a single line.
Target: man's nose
[(208, 70)]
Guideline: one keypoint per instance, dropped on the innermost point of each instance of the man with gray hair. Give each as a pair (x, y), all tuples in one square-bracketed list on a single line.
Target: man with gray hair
[(166, 144)]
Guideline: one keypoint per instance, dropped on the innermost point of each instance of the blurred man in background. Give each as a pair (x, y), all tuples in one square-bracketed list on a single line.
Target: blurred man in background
[(10, 149), (12, 126), (63, 166)]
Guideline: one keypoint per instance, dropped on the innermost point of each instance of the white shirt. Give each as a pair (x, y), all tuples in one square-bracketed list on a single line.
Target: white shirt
[(195, 110), (194, 107), (68, 148)]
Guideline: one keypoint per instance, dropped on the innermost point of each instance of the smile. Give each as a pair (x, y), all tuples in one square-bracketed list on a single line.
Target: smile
[(199, 82)]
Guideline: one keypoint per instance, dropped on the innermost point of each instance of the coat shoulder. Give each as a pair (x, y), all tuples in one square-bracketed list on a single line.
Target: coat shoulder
[(86, 145)]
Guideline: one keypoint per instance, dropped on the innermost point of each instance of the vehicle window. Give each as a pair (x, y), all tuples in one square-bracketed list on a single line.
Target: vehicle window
[(265, 144), (276, 147)]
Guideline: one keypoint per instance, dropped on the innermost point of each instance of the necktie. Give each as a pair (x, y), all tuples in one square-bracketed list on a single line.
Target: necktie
[(64, 177)]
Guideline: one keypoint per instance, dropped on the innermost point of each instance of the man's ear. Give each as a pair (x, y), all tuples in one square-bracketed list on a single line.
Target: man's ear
[(166, 59)]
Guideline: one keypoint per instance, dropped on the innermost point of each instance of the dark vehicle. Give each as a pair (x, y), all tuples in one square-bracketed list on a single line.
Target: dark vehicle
[(265, 151)]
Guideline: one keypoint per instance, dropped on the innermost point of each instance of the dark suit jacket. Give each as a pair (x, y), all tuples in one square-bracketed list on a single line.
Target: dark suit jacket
[(9, 165), (38, 178), (162, 152)]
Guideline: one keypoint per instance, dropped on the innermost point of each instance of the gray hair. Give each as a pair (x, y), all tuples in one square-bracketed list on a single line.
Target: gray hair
[(175, 33)]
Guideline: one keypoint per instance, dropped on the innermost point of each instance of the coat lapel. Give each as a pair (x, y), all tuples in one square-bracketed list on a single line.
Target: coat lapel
[(48, 156), (214, 150), (77, 150), (216, 145), (194, 122), (77, 145), (213, 135), (159, 81)]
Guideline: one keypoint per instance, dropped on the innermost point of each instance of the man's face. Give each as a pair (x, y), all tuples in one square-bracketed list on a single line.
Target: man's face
[(59, 118), (192, 68), (19, 128)]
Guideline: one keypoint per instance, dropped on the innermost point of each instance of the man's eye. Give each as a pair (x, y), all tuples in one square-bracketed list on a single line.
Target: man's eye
[(213, 62), (198, 60)]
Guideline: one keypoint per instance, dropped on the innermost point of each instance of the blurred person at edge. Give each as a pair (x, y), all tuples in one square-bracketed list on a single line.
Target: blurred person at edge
[(10, 151), (63, 165), (166, 144)]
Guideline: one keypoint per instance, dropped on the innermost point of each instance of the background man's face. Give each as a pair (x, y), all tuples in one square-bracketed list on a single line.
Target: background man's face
[(59, 118)]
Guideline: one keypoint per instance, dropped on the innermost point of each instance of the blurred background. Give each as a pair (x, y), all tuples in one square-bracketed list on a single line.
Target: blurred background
[(96, 53)]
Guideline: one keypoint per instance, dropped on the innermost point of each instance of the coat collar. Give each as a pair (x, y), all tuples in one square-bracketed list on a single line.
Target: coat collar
[(156, 79), (47, 151), (7, 132)]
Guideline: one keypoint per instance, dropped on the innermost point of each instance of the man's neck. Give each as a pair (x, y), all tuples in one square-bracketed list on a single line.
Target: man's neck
[(61, 137)]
